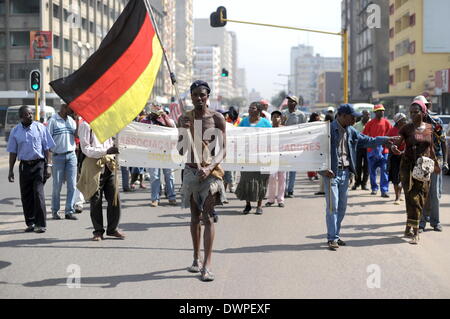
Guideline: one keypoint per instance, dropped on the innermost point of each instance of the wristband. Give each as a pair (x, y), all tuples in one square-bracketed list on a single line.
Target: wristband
[(49, 165)]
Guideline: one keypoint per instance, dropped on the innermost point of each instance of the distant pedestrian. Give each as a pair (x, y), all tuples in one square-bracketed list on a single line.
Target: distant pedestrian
[(277, 181), (62, 128), (362, 164), (394, 160), (378, 156), (292, 116), (344, 141), (97, 179), (431, 209), (158, 117), (252, 186), (418, 137), (30, 142)]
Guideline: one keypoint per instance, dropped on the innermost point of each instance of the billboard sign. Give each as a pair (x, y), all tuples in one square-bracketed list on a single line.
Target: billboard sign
[(435, 26), (41, 45)]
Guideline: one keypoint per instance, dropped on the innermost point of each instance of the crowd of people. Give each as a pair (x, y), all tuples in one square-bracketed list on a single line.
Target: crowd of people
[(68, 150)]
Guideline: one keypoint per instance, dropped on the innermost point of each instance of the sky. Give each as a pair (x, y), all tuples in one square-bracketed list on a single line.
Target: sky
[(265, 52)]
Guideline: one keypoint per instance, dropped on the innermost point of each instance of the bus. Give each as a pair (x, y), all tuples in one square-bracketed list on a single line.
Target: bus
[(12, 117)]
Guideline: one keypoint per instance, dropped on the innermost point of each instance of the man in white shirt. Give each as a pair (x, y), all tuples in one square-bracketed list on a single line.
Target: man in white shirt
[(93, 149)]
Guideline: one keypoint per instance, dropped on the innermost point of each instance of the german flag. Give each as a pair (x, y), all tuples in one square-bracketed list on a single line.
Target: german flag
[(113, 85)]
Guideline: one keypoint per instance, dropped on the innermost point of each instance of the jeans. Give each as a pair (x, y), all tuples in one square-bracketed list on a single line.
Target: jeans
[(125, 177), (64, 168), (384, 177), (338, 196), (431, 207), (290, 182), (155, 182)]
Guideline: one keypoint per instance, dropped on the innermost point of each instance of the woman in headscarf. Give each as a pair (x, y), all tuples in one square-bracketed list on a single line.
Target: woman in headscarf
[(394, 160), (418, 138), (252, 186)]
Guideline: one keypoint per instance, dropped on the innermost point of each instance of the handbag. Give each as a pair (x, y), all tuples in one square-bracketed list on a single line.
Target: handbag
[(423, 169)]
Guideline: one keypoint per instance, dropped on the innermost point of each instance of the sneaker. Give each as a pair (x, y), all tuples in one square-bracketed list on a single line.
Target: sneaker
[(437, 228), (333, 245), (39, 230), (290, 195), (154, 203), (71, 217), (247, 209), (207, 275), (281, 205), (341, 242), (196, 266), (259, 211), (173, 202), (385, 195), (97, 238), (268, 204), (319, 193), (215, 218), (29, 229), (355, 187), (373, 192), (55, 216), (364, 188)]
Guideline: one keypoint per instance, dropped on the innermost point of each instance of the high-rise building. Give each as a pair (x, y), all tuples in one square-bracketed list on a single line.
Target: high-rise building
[(419, 51), (184, 43), (305, 72), (330, 91), (207, 66), (205, 36), (368, 51)]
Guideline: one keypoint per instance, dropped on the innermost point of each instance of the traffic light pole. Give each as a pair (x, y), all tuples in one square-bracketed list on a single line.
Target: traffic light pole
[(343, 34), (36, 106)]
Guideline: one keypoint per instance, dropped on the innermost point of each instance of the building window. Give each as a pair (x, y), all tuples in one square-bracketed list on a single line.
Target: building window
[(21, 71), (56, 11), (24, 6), (391, 56), (84, 23), (412, 75), (412, 20), (20, 38), (66, 72), (91, 27), (66, 15), (391, 9), (56, 42), (2, 40), (391, 33), (2, 72), (66, 45), (56, 72), (412, 47), (2, 6), (391, 80)]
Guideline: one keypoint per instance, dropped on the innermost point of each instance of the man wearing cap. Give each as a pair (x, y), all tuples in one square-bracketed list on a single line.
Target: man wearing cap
[(344, 140), (378, 157), (292, 116), (431, 208)]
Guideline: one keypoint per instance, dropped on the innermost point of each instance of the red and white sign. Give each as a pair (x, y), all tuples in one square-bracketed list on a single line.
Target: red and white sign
[(41, 45), (442, 81)]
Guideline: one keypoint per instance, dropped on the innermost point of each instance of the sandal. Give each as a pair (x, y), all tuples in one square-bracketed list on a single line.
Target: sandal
[(196, 266), (207, 275)]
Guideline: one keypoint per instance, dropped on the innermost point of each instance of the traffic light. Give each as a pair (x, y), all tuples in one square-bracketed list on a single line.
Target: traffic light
[(35, 80), (224, 73), (217, 18)]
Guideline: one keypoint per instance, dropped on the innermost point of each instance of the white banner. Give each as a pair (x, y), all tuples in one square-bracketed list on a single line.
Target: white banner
[(303, 147)]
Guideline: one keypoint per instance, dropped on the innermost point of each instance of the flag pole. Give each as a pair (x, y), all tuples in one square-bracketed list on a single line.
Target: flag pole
[(172, 78)]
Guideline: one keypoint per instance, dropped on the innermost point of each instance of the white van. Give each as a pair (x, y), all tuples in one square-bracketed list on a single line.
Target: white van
[(359, 107), (12, 116)]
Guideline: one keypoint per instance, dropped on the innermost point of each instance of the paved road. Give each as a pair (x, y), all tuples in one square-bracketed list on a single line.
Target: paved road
[(281, 254)]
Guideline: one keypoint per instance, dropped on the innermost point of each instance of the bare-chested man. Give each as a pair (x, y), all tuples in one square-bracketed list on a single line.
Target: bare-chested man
[(202, 178)]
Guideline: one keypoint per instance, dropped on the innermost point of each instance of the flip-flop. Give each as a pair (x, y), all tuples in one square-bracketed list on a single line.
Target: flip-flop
[(207, 275)]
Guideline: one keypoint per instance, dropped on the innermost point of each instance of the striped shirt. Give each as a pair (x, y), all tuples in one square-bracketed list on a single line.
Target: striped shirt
[(63, 133)]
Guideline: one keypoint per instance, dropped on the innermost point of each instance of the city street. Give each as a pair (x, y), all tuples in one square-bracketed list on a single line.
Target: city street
[(281, 254)]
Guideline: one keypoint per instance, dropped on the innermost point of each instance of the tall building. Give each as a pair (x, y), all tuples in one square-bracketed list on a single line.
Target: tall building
[(419, 50), (368, 48), (296, 52), (184, 43), (330, 91), (207, 66), (205, 36), (305, 72)]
